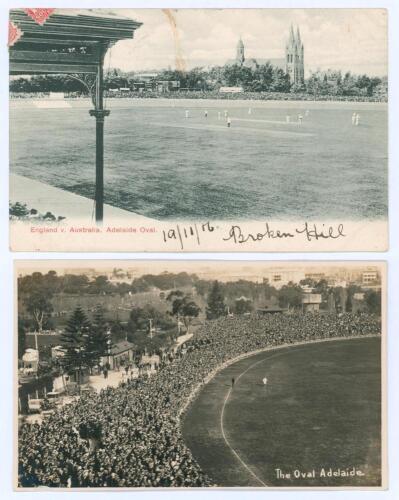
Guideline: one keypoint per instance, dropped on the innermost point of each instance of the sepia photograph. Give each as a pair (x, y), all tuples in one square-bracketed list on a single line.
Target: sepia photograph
[(200, 374), (198, 129)]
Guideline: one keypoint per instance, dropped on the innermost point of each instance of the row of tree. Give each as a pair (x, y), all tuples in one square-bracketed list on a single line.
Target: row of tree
[(334, 83), (258, 78), (80, 284), (37, 291), (265, 77), (85, 340), (50, 284), (289, 297)]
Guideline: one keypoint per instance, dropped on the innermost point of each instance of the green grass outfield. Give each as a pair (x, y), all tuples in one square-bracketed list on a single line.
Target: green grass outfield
[(161, 165), (321, 408)]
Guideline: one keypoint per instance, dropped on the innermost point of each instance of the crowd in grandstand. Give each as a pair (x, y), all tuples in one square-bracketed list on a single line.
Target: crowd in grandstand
[(29, 95), (141, 442), (207, 94), (245, 95)]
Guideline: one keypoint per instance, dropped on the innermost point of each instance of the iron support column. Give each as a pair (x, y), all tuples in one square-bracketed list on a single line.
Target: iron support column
[(99, 113)]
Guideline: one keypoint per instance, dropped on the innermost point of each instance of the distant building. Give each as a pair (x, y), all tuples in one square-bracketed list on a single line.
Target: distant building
[(311, 302), (150, 81), (240, 57), (370, 277), (335, 282), (120, 354), (331, 76), (252, 63), (293, 62), (294, 54), (371, 280), (279, 277), (30, 361), (315, 276), (230, 90), (146, 76)]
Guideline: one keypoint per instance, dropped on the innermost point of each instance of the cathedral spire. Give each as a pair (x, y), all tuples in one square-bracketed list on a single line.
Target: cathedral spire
[(292, 36), (294, 56), (240, 57), (298, 36)]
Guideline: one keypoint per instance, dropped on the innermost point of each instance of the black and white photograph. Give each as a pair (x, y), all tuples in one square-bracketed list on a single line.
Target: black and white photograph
[(198, 129), (200, 374), (199, 249)]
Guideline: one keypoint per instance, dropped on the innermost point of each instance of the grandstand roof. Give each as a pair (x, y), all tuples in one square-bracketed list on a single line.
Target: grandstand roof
[(56, 46), (122, 346), (270, 310)]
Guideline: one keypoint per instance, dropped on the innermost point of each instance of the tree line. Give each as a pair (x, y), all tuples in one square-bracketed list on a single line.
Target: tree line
[(258, 78), (151, 328), (36, 290), (86, 340), (37, 285), (78, 284)]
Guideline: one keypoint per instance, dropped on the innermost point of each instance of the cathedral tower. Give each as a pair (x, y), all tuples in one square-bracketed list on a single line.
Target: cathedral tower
[(240, 57), (294, 57)]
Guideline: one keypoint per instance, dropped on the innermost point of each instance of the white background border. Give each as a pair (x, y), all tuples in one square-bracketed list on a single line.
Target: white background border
[(392, 258)]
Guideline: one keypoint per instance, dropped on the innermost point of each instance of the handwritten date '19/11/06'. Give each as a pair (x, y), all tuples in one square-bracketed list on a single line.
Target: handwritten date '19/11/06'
[(237, 235)]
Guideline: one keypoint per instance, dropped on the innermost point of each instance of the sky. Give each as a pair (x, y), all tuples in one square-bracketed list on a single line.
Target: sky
[(347, 39)]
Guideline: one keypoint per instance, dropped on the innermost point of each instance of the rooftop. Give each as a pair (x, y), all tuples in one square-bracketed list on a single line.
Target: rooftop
[(64, 22), (69, 41), (122, 346)]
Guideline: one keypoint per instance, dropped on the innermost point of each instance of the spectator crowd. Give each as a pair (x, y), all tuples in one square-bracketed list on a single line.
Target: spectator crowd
[(140, 443), (244, 95), (209, 94)]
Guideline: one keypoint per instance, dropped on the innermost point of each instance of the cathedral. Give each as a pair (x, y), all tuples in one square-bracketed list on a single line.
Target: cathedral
[(292, 64), (294, 57)]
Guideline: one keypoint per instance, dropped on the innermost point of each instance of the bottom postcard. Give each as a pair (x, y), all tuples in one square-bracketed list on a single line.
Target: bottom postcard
[(167, 374)]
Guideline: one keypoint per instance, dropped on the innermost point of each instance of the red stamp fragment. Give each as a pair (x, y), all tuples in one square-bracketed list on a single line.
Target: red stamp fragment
[(39, 15), (14, 33)]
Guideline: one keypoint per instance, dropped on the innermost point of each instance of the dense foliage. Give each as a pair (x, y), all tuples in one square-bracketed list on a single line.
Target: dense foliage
[(259, 78), (152, 310), (84, 341)]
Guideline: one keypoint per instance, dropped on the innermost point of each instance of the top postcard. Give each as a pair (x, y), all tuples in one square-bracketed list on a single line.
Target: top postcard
[(198, 130)]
